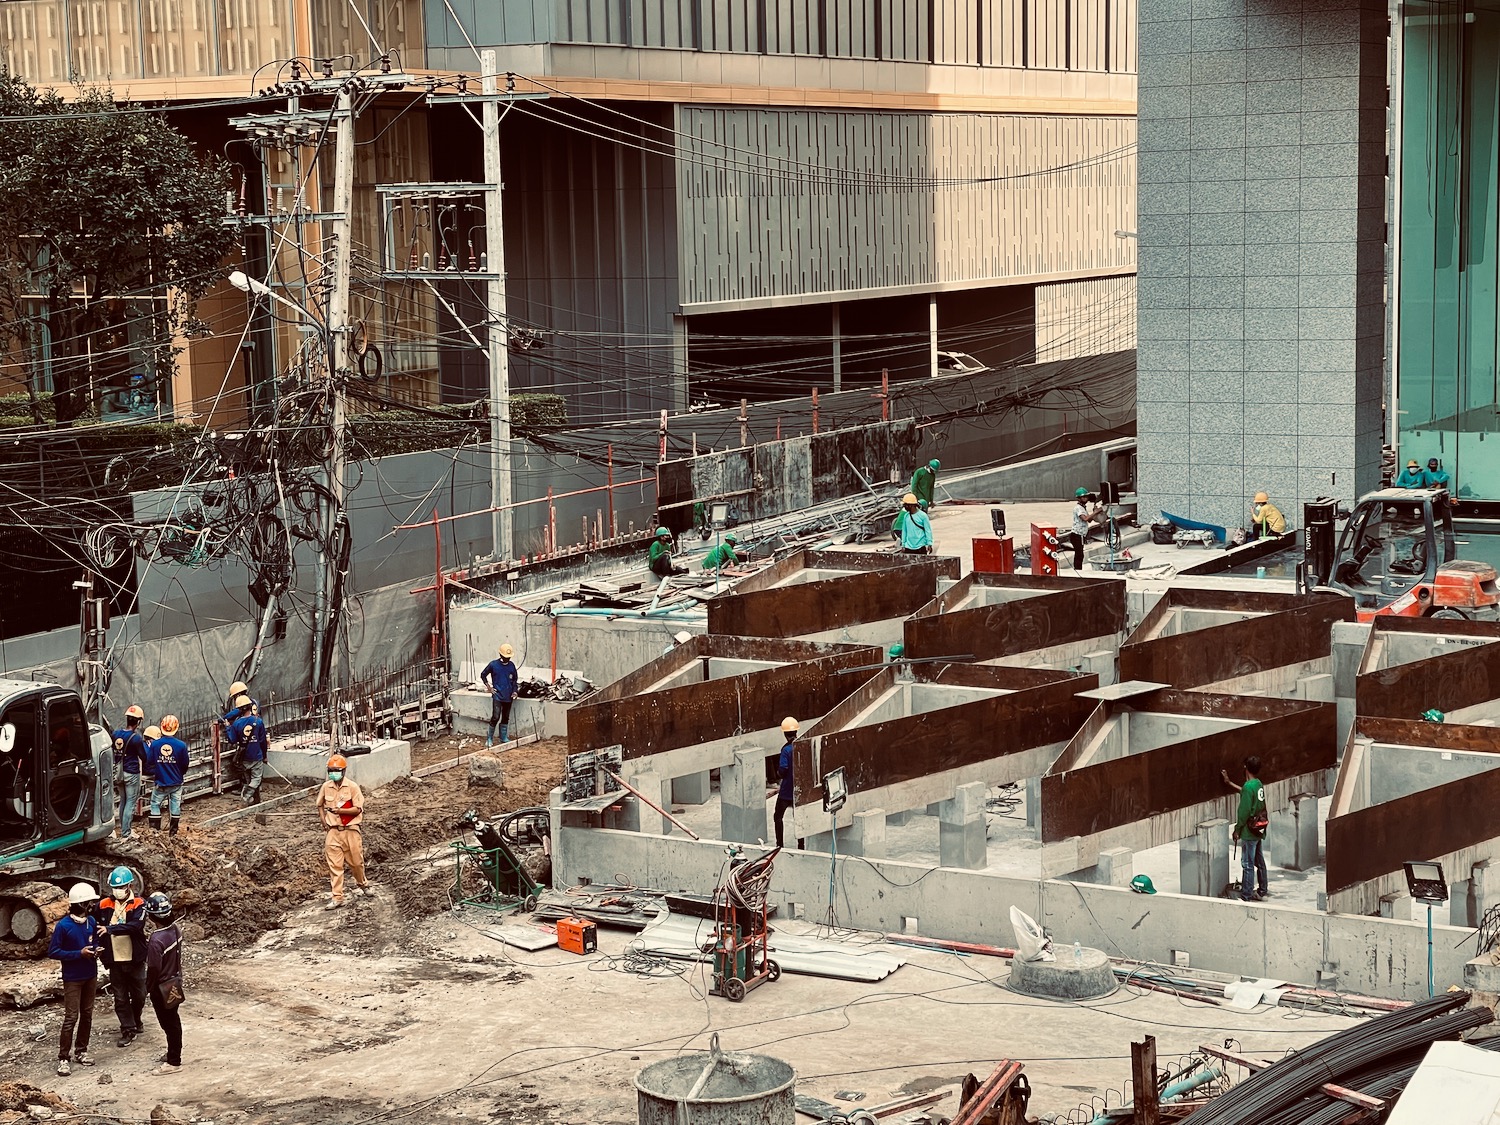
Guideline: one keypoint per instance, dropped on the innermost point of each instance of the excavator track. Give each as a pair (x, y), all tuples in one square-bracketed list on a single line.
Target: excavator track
[(27, 911)]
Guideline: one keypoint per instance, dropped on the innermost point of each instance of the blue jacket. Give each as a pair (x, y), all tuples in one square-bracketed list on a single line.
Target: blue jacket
[(134, 926), (234, 712), (502, 676), (130, 750), (70, 937), (784, 771), (248, 732), (169, 760)]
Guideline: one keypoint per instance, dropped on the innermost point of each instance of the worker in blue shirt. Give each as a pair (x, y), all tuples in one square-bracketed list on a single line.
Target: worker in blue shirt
[(169, 763), (916, 528), (130, 757), (248, 735), (784, 794), (1436, 477), (1411, 477), (75, 942), (501, 677)]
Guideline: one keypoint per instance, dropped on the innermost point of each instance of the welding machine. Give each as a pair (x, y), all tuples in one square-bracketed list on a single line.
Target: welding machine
[(577, 936)]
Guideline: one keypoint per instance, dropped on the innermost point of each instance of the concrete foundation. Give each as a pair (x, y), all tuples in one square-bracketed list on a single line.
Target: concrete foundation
[(1088, 977), (742, 797), (387, 760), (1203, 861), (545, 718), (1292, 838), (961, 835), (692, 788), (866, 836), (1116, 867)]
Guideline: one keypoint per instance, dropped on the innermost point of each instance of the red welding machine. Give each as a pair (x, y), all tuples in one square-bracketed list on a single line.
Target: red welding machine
[(577, 936)]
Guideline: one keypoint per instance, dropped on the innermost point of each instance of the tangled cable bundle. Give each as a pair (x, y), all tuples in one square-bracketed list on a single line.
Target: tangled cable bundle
[(748, 884)]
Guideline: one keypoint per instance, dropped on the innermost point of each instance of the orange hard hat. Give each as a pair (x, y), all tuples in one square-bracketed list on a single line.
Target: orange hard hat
[(134, 712), (169, 724), (337, 762)]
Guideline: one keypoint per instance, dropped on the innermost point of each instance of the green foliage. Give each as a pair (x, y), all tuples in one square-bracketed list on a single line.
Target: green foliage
[(100, 199), (538, 414)]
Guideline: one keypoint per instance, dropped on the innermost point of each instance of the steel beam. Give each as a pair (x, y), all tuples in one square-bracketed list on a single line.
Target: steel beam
[(1053, 611)]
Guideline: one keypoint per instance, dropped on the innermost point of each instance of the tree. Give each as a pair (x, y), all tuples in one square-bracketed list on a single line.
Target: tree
[(111, 228)]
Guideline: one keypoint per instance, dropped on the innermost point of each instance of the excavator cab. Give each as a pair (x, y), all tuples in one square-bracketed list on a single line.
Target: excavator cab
[(1397, 556), (55, 772)]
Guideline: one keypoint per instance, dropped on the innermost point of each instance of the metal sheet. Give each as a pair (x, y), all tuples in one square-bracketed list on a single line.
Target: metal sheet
[(831, 603), (1291, 738), (1291, 629), (1428, 824), (916, 746), (651, 722), (1438, 736), (1056, 611), (1462, 678)]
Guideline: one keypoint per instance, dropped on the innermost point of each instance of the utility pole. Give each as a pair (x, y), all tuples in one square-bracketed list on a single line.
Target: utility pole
[(501, 530), (328, 598)]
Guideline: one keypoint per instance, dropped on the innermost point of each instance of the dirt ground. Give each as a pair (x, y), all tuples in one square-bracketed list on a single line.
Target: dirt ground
[(235, 883)]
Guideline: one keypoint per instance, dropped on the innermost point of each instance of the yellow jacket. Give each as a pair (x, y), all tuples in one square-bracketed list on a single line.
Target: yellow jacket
[(1269, 517)]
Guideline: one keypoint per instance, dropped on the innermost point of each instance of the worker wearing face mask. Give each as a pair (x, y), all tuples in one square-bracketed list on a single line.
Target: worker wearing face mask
[(341, 807), (1265, 518)]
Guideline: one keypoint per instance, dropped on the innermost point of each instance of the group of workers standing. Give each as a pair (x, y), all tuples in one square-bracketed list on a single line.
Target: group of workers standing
[(138, 941), (153, 752)]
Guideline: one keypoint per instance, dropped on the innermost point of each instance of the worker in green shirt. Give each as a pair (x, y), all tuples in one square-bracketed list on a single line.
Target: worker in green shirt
[(900, 521), (661, 553), (924, 480), (722, 555), (1250, 830)]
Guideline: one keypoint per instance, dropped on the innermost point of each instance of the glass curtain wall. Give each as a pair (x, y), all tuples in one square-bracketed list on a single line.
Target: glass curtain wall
[(1448, 385)]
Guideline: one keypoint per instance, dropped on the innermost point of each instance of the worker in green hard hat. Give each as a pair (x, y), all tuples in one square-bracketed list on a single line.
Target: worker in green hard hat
[(723, 555), (900, 521), (897, 652), (1085, 516), (660, 555), (924, 481)]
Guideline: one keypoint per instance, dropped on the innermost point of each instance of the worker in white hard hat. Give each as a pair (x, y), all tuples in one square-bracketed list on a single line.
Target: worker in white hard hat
[(1265, 518), (248, 735), (502, 677), (75, 942), (916, 528), (785, 793)]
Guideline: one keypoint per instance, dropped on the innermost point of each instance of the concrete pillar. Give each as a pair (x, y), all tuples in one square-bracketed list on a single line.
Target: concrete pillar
[(1034, 802), (1292, 839), (1203, 859), (961, 831), (1349, 640), (691, 789), (1102, 664), (866, 836), (935, 809), (560, 878), (898, 819), (1396, 906), (1116, 867), (1318, 689), (1266, 234), (1467, 898), (637, 815), (932, 335), (742, 798)]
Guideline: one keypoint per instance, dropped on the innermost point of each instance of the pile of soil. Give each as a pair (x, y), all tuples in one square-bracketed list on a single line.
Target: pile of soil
[(16, 1096), (237, 880)]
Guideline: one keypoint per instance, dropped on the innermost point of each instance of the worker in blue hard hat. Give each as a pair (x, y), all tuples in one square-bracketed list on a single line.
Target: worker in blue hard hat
[(924, 481), (121, 917)]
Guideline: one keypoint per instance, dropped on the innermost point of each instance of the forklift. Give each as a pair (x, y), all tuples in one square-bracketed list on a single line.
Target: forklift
[(1397, 557)]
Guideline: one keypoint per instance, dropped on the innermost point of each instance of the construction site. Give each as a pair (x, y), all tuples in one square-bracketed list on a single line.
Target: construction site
[(750, 562)]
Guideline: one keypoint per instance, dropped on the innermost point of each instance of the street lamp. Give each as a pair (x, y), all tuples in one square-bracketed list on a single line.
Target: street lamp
[(247, 284)]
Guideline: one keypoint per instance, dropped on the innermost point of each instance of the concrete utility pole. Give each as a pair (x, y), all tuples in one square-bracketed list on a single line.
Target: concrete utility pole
[(501, 529), (335, 525)]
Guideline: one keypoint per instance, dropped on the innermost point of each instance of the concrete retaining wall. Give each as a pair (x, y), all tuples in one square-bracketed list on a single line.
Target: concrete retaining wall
[(1373, 956)]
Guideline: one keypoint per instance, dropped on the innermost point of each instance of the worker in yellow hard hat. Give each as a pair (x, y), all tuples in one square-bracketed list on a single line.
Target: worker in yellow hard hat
[(1265, 518), (131, 758), (916, 527), (502, 677), (786, 791), (1411, 477)]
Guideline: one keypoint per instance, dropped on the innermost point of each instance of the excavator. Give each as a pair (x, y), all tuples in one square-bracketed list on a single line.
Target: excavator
[(1398, 557), (56, 793)]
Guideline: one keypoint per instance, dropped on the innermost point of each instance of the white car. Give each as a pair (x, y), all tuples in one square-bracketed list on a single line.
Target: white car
[(959, 363)]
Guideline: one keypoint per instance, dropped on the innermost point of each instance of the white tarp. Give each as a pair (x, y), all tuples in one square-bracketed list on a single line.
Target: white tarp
[(1456, 1084)]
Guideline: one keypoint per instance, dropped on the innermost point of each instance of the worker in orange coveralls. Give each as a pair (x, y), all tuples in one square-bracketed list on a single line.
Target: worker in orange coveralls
[(341, 807)]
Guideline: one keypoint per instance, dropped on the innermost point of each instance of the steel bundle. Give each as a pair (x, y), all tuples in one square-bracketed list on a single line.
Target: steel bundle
[(1279, 1089)]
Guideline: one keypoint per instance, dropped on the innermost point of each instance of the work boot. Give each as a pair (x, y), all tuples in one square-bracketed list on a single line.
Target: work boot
[(504, 733), (176, 820), (256, 799), (161, 823)]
